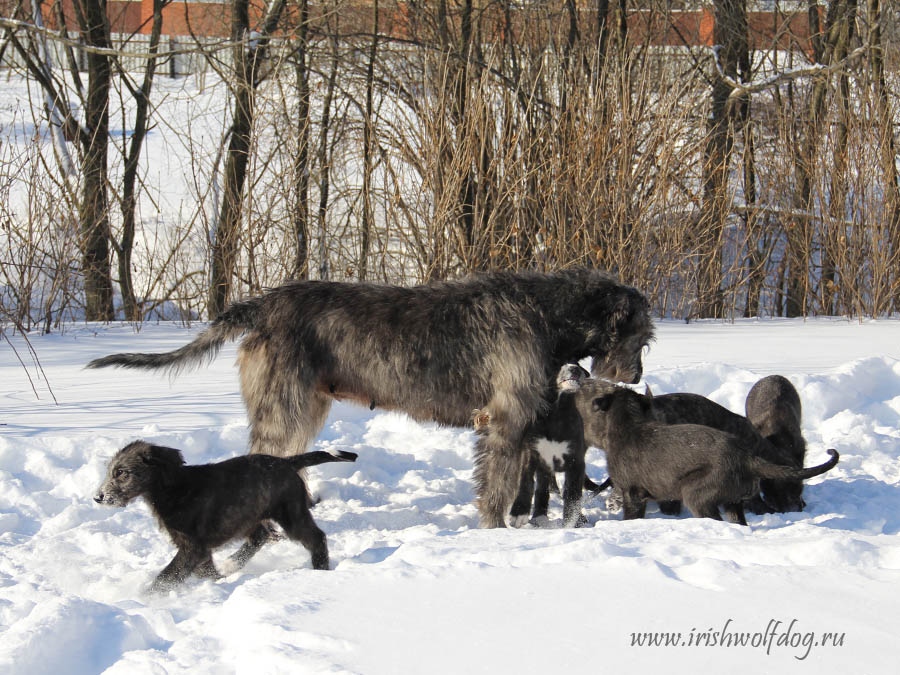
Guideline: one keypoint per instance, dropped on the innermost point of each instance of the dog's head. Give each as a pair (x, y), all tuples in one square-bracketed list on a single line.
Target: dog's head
[(783, 496), (571, 378), (595, 400), (623, 329), (134, 469)]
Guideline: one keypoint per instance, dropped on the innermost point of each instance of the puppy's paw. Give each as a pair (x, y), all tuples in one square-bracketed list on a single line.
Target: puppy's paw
[(542, 522), (614, 502), (518, 521)]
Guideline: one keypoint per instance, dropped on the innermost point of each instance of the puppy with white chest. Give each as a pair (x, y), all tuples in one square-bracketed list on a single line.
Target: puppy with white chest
[(202, 507)]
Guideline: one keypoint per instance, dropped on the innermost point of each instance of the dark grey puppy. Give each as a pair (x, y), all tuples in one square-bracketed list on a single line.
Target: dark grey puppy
[(773, 407), (698, 465), (205, 506), (493, 342), (686, 408)]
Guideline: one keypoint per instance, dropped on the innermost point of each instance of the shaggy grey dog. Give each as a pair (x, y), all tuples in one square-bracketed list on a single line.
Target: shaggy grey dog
[(773, 407), (493, 342), (205, 506), (695, 464)]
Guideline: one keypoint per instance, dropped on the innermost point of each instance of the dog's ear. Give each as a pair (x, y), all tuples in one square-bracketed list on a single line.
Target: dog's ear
[(167, 460), (601, 403), (622, 310)]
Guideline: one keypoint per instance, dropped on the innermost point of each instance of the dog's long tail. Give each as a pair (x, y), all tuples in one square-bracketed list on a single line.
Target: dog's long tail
[(319, 457), (230, 324), (763, 469)]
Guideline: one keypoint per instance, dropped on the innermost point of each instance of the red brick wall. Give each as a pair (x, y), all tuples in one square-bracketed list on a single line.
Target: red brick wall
[(213, 19)]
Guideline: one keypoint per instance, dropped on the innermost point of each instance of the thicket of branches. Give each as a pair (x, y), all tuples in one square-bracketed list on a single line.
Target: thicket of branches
[(426, 140)]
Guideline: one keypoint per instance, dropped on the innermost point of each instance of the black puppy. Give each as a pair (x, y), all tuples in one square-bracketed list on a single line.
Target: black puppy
[(205, 506), (558, 444), (773, 407), (698, 465)]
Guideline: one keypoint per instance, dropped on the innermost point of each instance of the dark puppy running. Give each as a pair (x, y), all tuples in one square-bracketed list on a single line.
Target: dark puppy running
[(773, 407), (698, 465), (493, 342), (205, 506)]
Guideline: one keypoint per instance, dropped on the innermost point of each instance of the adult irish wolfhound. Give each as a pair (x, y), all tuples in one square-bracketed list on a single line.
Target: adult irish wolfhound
[(436, 351)]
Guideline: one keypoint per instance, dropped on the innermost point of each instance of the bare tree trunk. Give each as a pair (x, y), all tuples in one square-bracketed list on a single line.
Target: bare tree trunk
[(888, 156), (324, 159), (247, 60), (839, 29), (367, 215), (300, 213), (51, 106), (94, 207), (133, 311), (730, 36)]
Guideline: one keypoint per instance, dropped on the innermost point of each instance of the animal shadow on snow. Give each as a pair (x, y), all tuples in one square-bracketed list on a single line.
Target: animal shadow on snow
[(857, 504)]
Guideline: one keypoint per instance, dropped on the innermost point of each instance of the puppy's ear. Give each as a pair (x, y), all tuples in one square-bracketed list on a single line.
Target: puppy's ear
[(648, 392), (601, 403), (167, 460)]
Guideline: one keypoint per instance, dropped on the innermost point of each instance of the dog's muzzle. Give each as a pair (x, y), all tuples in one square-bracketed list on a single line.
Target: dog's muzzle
[(107, 499)]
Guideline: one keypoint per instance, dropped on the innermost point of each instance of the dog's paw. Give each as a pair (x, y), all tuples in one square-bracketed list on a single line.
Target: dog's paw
[(518, 521), (614, 502), (542, 522)]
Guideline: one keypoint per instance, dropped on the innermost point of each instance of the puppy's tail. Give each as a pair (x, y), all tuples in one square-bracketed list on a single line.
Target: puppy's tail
[(763, 469), (319, 457), (230, 324)]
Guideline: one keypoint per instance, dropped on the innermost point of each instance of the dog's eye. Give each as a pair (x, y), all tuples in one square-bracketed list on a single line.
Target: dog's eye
[(118, 473)]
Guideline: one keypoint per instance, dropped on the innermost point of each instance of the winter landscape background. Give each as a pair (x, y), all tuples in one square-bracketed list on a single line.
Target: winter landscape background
[(415, 586)]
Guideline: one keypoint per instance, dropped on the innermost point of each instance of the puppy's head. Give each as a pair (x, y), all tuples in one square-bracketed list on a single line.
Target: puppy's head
[(783, 496), (134, 469), (601, 403), (571, 378)]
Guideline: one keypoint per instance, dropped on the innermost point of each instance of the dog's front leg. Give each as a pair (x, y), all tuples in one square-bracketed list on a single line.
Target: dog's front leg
[(633, 504), (735, 513), (178, 570), (573, 490), (522, 505), (498, 468)]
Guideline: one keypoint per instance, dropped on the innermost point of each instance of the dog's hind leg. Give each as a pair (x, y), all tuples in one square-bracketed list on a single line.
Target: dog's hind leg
[(258, 538), (207, 570), (285, 411), (634, 504), (734, 513), (670, 508), (298, 524), (704, 509), (184, 562)]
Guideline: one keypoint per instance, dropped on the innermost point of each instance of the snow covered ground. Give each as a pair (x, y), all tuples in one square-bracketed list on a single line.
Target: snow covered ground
[(416, 587)]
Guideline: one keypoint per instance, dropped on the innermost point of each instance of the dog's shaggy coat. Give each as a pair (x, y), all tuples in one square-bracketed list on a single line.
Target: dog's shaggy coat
[(698, 465), (438, 351), (205, 506), (773, 407)]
